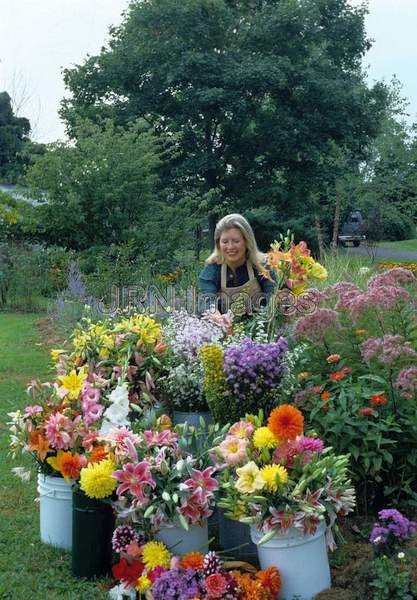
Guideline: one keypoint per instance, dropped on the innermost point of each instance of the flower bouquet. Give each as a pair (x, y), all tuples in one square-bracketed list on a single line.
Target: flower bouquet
[(243, 377), (151, 569), (288, 487), (166, 479), (183, 384)]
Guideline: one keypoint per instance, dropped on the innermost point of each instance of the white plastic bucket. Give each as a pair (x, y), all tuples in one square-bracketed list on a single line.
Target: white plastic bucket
[(301, 560), (180, 541), (55, 501)]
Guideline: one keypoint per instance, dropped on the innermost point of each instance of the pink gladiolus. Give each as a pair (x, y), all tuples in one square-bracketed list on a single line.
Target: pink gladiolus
[(133, 478), (89, 394)]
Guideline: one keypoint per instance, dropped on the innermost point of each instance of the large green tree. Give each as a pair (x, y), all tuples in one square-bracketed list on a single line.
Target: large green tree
[(260, 90), (14, 133), (103, 188)]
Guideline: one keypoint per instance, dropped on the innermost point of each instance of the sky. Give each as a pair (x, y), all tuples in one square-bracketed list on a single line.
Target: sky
[(40, 37)]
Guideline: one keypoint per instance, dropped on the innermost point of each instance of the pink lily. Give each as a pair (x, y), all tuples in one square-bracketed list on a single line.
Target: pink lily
[(133, 478)]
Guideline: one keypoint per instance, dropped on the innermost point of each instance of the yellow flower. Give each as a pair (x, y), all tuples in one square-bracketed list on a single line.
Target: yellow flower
[(274, 475), (318, 272), (155, 554), (143, 583), (96, 479), (303, 375), (55, 461), (264, 438), (250, 479), (73, 383), (56, 353)]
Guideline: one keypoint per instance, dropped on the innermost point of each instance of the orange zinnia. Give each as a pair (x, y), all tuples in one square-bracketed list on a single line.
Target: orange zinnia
[(270, 579), (70, 465), (333, 358), (193, 560), (361, 331), (286, 422), (325, 395), (378, 400)]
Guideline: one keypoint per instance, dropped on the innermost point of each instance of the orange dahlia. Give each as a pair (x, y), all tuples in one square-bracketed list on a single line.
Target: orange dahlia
[(192, 560), (70, 465), (271, 580), (286, 422), (98, 454)]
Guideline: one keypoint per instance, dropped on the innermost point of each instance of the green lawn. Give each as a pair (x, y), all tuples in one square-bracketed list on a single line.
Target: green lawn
[(403, 245), (29, 570)]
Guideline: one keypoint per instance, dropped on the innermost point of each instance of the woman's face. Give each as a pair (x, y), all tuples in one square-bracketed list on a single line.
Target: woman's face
[(233, 247)]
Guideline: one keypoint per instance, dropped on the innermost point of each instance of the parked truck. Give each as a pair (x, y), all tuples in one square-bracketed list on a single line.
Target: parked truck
[(353, 229)]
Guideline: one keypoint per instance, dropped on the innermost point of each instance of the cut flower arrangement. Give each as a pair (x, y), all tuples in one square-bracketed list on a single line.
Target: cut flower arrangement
[(161, 476), (151, 569), (103, 384), (277, 478)]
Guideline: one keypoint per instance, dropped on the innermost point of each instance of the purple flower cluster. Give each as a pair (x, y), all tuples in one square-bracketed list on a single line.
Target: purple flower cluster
[(177, 584), (397, 276), (314, 327), (407, 382), (252, 368), (122, 537), (392, 527), (387, 350), (188, 333)]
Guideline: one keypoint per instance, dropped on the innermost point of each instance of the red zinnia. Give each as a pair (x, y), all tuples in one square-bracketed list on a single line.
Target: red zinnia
[(286, 422), (216, 585), (378, 400), (339, 375)]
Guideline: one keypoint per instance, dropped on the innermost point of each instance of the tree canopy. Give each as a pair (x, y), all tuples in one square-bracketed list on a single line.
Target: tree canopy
[(260, 91), (14, 132)]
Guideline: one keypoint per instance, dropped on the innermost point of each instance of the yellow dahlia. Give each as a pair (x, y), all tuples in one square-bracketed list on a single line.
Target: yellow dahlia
[(96, 480), (264, 438), (155, 554), (274, 475)]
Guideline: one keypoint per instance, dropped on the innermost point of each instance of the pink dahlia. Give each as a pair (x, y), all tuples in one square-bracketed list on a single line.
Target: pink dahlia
[(216, 585), (58, 431)]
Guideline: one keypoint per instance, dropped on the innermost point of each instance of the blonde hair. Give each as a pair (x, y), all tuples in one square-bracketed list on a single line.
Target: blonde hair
[(236, 221)]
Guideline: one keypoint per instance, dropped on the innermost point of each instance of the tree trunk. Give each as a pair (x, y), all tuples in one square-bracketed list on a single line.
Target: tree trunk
[(336, 222), (319, 235)]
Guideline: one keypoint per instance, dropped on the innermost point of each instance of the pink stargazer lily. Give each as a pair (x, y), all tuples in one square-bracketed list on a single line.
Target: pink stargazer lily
[(202, 481), (160, 438), (133, 478)]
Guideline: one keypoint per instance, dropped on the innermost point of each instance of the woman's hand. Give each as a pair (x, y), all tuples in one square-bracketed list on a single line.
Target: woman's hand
[(222, 321)]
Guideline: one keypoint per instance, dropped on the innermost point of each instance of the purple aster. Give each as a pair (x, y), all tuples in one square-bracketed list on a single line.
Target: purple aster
[(251, 369), (177, 584)]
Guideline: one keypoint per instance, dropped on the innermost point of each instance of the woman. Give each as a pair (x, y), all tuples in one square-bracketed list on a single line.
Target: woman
[(234, 267)]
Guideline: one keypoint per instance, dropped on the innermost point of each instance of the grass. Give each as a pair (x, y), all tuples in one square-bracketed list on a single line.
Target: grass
[(410, 245), (28, 568)]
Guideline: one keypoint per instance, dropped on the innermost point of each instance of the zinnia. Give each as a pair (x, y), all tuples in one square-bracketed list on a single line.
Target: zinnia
[(216, 585), (96, 479), (378, 400), (333, 358), (192, 560), (286, 422)]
